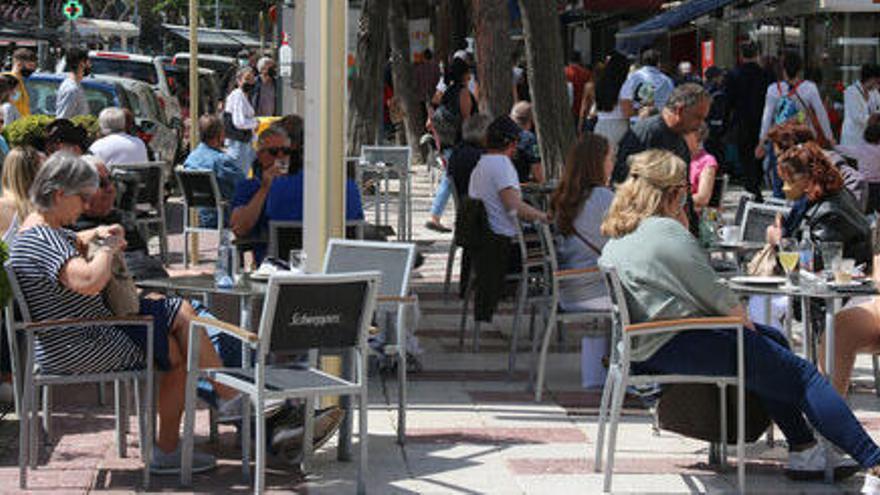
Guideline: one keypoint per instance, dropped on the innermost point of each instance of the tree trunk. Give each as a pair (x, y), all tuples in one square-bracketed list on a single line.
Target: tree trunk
[(402, 73), (493, 56), (458, 12), (550, 107), (364, 104)]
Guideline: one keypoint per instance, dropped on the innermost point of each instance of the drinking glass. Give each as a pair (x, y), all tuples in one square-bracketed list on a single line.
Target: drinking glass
[(843, 269), (788, 258), (297, 260), (832, 253)]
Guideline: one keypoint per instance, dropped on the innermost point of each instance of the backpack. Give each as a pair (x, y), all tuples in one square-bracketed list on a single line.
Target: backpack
[(447, 124), (787, 107)]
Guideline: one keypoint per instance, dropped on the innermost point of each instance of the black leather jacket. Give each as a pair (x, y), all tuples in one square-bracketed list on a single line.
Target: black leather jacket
[(837, 217)]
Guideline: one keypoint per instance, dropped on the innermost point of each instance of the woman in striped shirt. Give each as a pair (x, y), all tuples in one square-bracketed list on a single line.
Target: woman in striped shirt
[(57, 281)]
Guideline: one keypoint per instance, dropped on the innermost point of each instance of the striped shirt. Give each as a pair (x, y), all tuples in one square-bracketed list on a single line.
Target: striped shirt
[(37, 257)]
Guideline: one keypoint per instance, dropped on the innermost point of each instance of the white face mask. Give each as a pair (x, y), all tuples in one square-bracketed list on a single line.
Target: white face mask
[(283, 164)]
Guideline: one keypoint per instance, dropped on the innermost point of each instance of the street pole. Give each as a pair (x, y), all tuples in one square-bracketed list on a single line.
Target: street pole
[(137, 22), (41, 45), (217, 14), (194, 103)]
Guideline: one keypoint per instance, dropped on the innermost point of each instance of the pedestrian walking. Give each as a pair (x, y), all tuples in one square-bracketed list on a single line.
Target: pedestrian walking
[(456, 105), (791, 98), (747, 86), (647, 85), (578, 76), (264, 95), (71, 98), (860, 100), (239, 120), (24, 63), (611, 123)]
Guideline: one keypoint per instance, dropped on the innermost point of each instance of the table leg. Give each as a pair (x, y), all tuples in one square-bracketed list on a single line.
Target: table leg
[(832, 305)]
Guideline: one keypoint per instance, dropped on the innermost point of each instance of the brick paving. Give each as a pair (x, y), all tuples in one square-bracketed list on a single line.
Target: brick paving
[(472, 428)]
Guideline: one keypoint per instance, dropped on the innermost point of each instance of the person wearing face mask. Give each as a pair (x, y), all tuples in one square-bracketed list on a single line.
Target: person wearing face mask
[(263, 96), (239, 120), (24, 63), (71, 98), (9, 94), (822, 203)]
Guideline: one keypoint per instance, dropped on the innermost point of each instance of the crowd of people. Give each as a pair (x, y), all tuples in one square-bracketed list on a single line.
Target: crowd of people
[(633, 192)]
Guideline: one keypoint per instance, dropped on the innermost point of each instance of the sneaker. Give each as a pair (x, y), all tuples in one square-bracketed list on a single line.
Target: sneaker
[(437, 227), (809, 465), (871, 485), (327, 421), (229, 410), (169, 463)]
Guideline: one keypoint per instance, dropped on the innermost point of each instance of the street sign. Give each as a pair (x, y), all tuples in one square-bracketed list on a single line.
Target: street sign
[(73, 10)]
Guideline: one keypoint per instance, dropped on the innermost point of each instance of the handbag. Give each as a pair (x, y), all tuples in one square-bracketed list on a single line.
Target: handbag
[(765, 263), (120, 294), (821, 138)]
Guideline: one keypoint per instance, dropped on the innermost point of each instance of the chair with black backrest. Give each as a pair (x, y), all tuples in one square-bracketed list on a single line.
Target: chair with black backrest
[(150, 208), (453, 244), (29, 379), (327, 313), (285, 235), (619, 378), (719, 190), (200, 191), (395, 260), (557, 316)]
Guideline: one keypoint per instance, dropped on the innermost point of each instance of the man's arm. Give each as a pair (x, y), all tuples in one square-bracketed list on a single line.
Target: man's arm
[(512, 201), (244, 218)]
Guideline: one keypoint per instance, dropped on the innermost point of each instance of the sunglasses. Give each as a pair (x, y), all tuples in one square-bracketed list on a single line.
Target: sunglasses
[(278, 150)]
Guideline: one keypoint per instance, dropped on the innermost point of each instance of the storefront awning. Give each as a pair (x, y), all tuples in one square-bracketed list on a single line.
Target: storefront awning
[(102, 28), (633, 39), (622, 5), (232, 39)]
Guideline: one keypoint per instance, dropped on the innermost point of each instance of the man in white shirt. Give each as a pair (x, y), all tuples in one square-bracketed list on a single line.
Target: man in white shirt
[(117, 146), (647, 80), (240, 121), (860, 100), (495, 182), (71, 98)]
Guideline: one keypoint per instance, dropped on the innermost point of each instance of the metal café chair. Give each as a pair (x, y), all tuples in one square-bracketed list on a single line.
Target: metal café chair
[(389, 163), (619, 378), (29, 378), (454, 244), (557, 317), (150, 208), (285, 235), (395, 261), (200, 190), (301, 313)]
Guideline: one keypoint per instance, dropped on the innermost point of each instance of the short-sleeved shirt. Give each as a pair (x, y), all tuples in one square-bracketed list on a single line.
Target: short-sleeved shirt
[(650, 133), (493, 174), (665, 275), (70, 100), (527, 154), (37, 255), (647, 81), (119, 148), (699, 163)]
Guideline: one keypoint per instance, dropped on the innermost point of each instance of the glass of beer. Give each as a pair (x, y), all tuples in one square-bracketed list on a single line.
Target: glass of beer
[(788, 258)]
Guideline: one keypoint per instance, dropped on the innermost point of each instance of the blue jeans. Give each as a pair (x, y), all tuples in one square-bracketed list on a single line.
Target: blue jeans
[(773, 173), (444, 190), (242, 153), (789, 387)]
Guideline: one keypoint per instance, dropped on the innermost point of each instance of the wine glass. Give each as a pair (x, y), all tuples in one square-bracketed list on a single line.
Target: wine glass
[(788, 258)]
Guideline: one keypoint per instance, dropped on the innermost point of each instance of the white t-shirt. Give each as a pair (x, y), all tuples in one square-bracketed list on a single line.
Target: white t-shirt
[(493, 174), (120, 148), (856, 111)]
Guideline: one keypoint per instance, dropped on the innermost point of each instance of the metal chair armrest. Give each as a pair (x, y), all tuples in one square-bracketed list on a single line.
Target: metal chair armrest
[(678, 325), (574, 272), (67, 323), (227, 328)]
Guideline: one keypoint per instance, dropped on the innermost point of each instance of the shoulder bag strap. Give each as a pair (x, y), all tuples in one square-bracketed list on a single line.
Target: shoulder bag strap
[(587, 242)]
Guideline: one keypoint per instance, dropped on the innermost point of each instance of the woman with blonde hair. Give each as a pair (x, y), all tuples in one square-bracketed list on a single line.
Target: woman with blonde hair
[(666, 276), (19, 169)]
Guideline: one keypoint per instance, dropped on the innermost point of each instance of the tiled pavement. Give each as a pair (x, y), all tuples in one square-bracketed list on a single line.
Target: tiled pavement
[(471, 428)]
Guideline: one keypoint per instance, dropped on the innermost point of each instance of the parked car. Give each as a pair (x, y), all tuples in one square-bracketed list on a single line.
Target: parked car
[(223, 67), (104, 91), (144, 68), (209, 94)]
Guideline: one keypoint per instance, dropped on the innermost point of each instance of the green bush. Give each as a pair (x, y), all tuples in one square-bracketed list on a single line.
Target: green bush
[(27, 130), (89, 123)]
